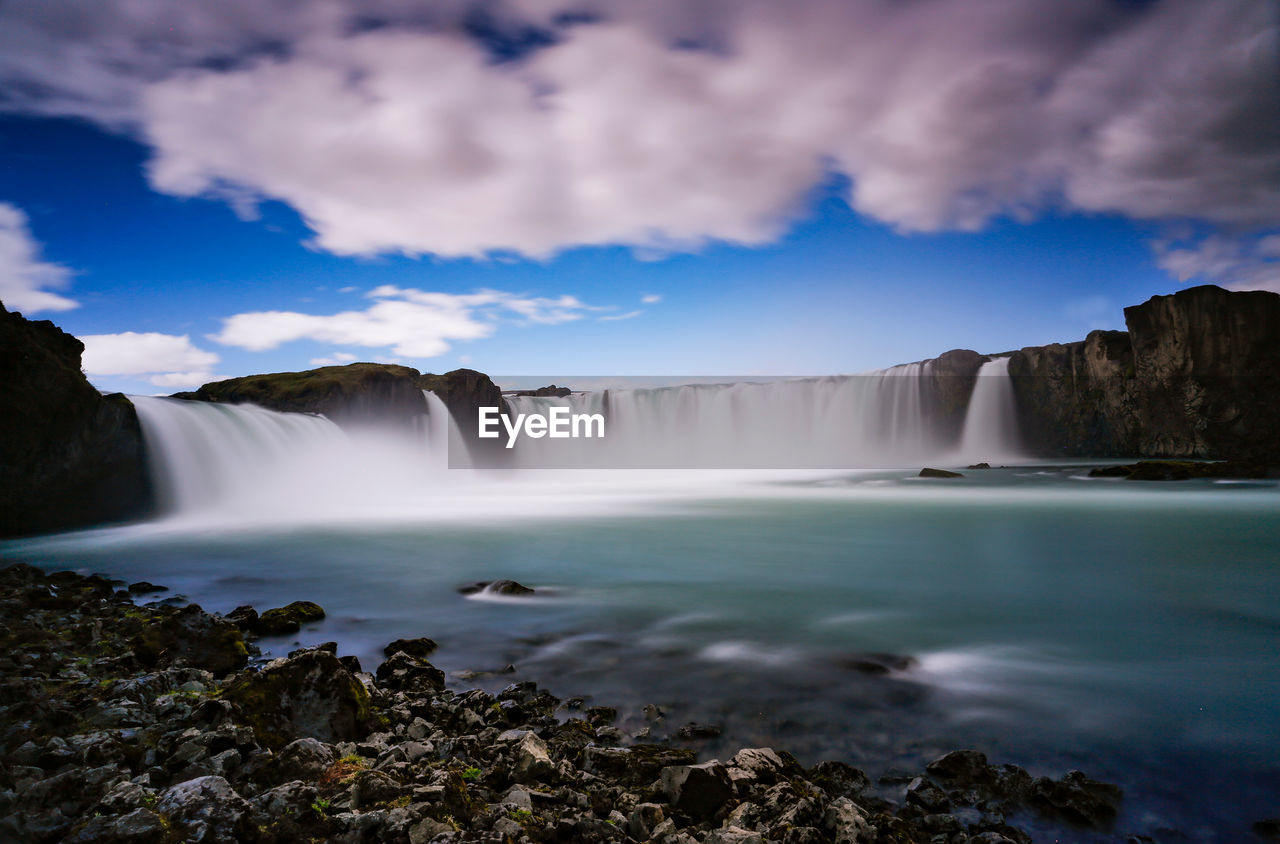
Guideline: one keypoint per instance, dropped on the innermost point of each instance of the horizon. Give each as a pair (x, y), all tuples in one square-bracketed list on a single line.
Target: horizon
[(616, 190)]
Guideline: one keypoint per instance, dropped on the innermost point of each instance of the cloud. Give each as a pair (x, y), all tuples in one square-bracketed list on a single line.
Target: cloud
[(616, 317), (413, 323), (166, 360), (24, 277), (664, 125), (651, 299)]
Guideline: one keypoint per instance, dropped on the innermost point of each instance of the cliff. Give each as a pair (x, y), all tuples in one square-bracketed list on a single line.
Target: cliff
[(1196, 375), (69, 456), (464, 392)]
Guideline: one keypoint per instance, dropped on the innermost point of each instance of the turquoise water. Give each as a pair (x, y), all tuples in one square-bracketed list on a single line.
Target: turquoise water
[(1126, 629)]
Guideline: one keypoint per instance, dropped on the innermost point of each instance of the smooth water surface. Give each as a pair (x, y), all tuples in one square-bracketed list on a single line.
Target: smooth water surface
[(1126, 629)]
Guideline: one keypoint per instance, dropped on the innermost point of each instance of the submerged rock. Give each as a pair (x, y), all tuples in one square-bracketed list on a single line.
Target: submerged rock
[(927, 472), (496, 587), (876, 663)]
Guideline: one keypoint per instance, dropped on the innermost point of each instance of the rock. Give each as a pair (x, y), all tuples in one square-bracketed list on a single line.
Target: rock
[(551, 391), (876, 663), (963, 769), (644, 819), (698, 791), (311, 694), (496, 587), (421, 647), (140, 826), (190, 636), (142, 587), (635, 765), (206, 809), (69, 456), (763, 764), (926, 472), (979, 466), (304, 759), (372, 788), (839, 779), (693, 732), (405, 672), (733, 835), (1077, 799), (427, 830), (926, 795), (288, 619), (245, 617), (846, 822), (532, 759)]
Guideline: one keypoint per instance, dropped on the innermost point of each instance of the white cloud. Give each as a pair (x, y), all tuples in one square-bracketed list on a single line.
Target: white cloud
[(24, 277), (166, 360), (943, 115), (651, 299), (348, 289), (413, 323), (616, 317)]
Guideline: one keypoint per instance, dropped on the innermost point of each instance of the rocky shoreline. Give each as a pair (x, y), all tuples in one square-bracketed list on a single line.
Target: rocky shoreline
[(156, 723)]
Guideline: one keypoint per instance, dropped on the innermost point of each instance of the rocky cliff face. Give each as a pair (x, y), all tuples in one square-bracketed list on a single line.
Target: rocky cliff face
[(69, 456), (1207, 367), (951, 380), (1196, 375)]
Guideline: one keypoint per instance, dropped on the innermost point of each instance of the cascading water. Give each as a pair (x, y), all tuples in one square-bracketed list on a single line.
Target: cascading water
[(229, 460), (991, 423), (879, 419)]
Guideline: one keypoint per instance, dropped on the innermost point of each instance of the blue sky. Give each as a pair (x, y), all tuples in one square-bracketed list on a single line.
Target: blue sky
[(191, 251)]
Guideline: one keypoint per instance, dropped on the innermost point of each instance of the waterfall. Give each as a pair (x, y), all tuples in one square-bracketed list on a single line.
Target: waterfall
[(878, 419), (991, 424), (241, 459)]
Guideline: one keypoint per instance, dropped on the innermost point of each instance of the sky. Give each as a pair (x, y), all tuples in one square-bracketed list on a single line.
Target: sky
[(586, 187)]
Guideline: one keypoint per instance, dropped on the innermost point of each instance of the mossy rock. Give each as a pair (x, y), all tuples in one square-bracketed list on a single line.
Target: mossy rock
[(288, 619), (309, 695), (192, 637)]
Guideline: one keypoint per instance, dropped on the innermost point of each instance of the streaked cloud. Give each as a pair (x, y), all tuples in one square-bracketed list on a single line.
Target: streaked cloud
[(410, 323), (665, 125)]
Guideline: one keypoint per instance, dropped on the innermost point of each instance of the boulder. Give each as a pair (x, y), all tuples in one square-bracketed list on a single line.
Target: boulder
[(1077, 799), (304, 759), (309, 695), (405, 672), (140, 826), (938, 473), (190, 636), (288, 619), (206, 809), (532, 759), (421, 647), (698, 791)]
